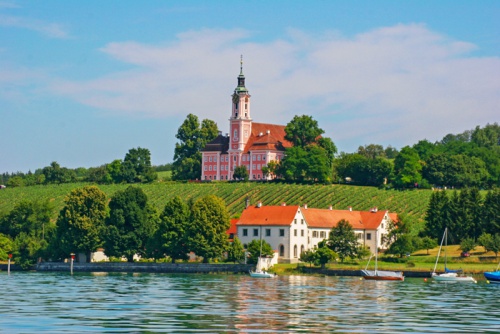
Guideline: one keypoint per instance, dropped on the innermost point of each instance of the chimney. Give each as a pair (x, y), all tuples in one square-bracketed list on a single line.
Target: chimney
[(259, 204), (374, 209), (305, 206), (247, 202), (350, 208), (268, 132), (330, 208), (283, 204)]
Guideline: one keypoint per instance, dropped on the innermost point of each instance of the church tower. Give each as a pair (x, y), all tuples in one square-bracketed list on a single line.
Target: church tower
[(240, 122)]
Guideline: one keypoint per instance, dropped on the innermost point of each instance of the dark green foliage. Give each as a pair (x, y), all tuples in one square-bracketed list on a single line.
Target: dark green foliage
[(236, 252), (254, 248), (207, 231), (428, 243), (437, 217), (343, 241), (57, 174), (491, 212), (241, 173), (80, 223), (407, 168), (169, 238), (323, 255), (6, 247), (363, 170), (302, 131), (468, 244), (404, 244), (136, 166), (130, 224), (187, 155)]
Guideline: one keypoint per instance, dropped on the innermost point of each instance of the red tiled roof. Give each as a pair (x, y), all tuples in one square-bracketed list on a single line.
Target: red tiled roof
[(274, 140), (268, 215), (321, 218), (232, 229)]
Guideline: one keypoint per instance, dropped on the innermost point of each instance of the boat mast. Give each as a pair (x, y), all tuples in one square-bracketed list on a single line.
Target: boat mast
[(376, 251), (439, 251)]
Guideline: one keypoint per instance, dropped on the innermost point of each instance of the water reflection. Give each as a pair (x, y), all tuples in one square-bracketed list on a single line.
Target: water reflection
[(108, 302)]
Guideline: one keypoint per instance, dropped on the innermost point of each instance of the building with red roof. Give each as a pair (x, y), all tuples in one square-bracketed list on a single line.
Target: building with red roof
[(250, 144), (293, 229)]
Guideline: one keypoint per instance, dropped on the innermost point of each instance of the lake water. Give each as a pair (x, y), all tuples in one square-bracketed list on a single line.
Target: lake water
[(131, 303)]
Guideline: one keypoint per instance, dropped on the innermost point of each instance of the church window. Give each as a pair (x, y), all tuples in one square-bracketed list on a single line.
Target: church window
[(253, 157), (206, 159), (234, 158), (236, 107), (210, 168), (254, 167), (221, 158), (215, 167), (258, 157), (258, 166), (246, 105), (210, 159), (205, 168)]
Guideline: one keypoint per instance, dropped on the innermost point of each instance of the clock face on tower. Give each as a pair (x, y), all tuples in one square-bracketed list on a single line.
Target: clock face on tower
[(236, 98)]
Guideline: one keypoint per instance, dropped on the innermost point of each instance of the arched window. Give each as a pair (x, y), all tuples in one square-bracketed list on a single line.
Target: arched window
[(295, 251), (301, 249), (282, 250)]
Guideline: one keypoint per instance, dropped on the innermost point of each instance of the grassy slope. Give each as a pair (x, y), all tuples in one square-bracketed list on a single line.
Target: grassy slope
[(412, 204)]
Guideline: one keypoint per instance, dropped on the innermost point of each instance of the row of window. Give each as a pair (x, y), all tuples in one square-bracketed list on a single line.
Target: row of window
[(255, 157), (226, 167), (267, 232)]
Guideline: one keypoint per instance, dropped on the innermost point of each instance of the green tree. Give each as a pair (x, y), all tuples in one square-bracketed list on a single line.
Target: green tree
[(236, 252), (99, 175), (187, 155), (371, 151), (114, 170), (404, 244), (436, 216), (241, 173), (302, 131), (6, 247), (130, 224), (342, 240), (31, 217), (428, 243), (136, 166), (170, 236), (467, 244), (323, 255), (57, 174), (255, 249), (490, 217), (407, 168), (207, 231), (308, 256), (485, 240), (80, 222)]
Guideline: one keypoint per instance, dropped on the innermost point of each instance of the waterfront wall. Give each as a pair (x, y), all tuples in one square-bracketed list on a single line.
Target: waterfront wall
[(138, 267)]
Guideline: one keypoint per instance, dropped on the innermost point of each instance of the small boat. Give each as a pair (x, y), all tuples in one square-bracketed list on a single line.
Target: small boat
[(262, 274), (381, 275), (449, 275), (260, 270), (493, 276)]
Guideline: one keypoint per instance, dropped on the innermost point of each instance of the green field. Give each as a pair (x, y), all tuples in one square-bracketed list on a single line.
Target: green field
[(411, 203)]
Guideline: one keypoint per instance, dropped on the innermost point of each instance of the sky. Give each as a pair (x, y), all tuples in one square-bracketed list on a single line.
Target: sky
[(83, 82)]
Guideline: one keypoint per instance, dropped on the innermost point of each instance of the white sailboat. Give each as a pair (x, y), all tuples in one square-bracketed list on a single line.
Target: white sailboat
[(381, 275), (260, 268), (449, 275)]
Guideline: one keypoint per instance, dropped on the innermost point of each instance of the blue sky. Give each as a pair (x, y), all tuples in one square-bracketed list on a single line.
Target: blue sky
[(82, 82)]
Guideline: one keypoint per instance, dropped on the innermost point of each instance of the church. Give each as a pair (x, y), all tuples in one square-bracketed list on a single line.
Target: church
[(248, 144)]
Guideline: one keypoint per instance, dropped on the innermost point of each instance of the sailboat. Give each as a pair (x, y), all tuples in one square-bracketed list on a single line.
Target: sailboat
[(260, 270), (449, 275), (493, 276), (381, 275)]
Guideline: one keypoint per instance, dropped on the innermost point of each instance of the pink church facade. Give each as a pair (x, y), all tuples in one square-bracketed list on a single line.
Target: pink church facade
[(250, 144)]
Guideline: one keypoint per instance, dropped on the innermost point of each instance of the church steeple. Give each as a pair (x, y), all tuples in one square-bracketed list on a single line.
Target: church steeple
[(241, 79)]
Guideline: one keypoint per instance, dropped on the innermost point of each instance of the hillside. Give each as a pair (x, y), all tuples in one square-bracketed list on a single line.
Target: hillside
[(411, 203)]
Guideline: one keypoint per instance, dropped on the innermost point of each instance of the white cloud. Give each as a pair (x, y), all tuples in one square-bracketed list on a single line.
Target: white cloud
[(52, 30), (393, 85)]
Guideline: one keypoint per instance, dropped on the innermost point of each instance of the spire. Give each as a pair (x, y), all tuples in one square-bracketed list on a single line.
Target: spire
[(241, 79)]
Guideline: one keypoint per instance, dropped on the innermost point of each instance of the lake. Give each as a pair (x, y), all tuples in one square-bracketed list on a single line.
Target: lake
[(124, 303)]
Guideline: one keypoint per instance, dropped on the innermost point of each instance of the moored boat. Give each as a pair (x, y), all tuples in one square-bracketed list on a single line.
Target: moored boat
[(493, 276), (449, 275)]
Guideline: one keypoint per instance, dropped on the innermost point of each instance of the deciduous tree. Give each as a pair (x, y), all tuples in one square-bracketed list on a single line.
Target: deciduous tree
[(131, 223), (342, 240), (207, 231)]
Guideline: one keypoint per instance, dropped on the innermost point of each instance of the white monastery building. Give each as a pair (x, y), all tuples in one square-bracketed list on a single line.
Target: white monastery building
[(250, 144), (290, 230)]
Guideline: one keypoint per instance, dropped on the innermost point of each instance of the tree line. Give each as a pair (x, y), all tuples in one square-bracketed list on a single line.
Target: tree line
[(126, 226), (134, 168), (469, 159)]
